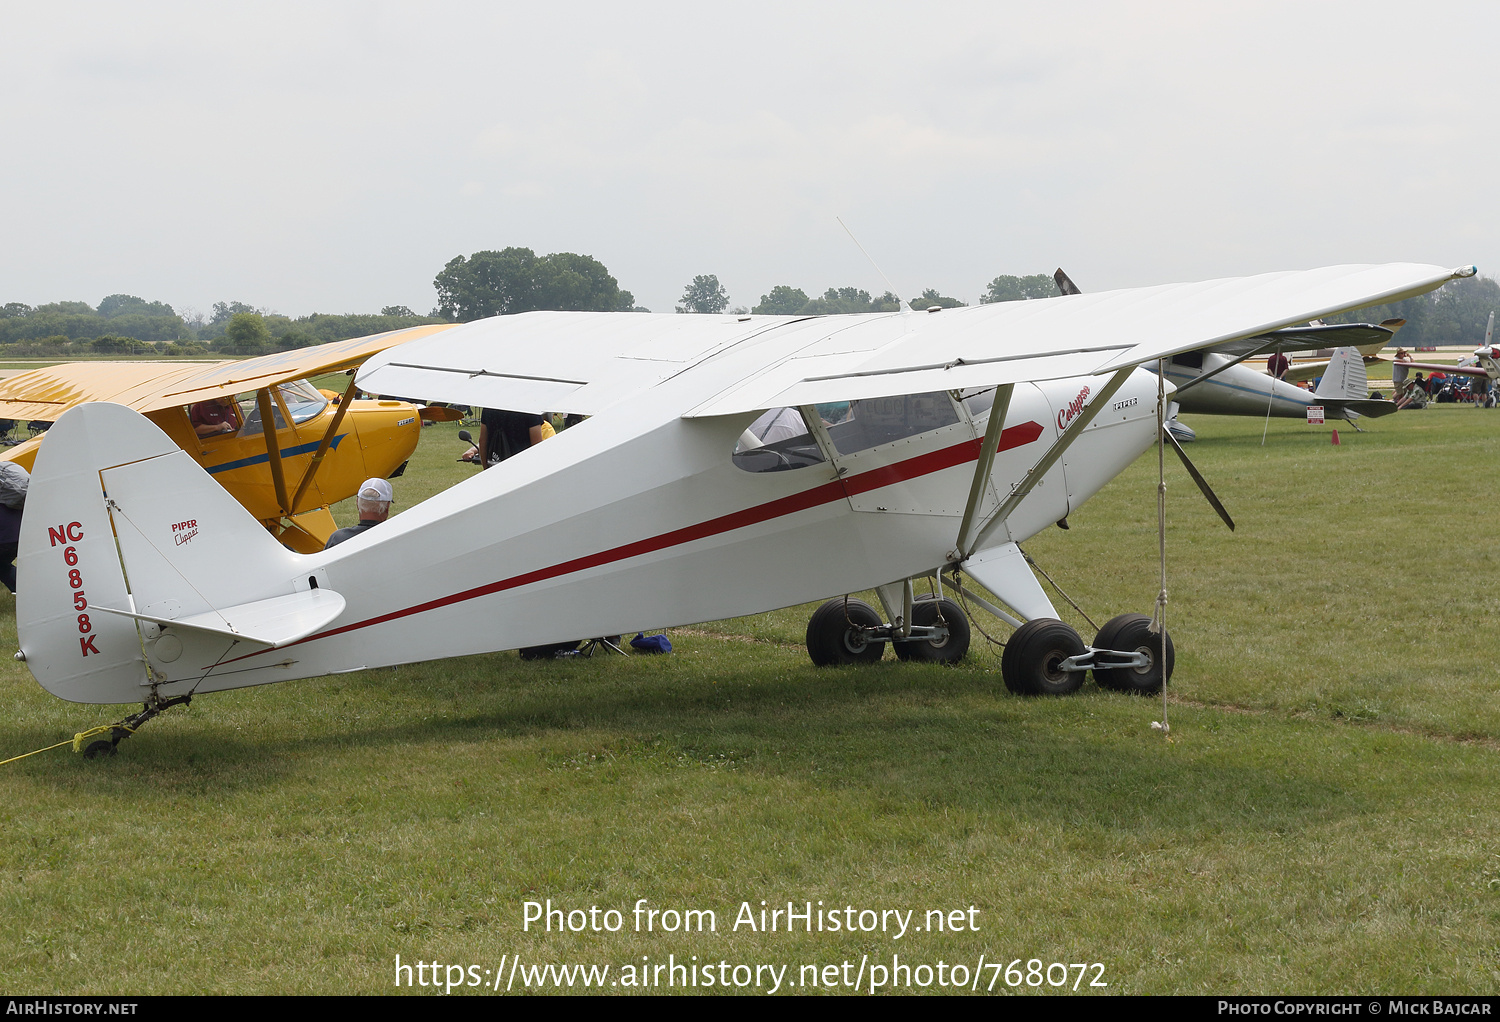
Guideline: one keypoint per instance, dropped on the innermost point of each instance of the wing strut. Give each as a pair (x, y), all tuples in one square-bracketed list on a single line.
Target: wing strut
[(1073, 432), (982, 467), (273, 449), (317, 458)]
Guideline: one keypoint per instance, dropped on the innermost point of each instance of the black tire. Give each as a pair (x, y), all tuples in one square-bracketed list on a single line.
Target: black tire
[(1131, 633), (951, 648), (548, 651), (102, 748), (836, 634), (1031, 662)]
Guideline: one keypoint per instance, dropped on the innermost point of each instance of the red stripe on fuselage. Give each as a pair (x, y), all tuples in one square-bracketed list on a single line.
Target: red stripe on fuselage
[(887, 475)]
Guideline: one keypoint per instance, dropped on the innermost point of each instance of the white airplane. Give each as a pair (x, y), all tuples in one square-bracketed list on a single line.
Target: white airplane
[(969, 431), (1213, 381)]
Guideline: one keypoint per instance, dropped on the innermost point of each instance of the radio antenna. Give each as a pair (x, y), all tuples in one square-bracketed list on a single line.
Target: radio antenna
[(899, 300)]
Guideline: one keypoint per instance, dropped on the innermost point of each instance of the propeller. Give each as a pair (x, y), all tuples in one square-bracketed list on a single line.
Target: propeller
[(1065, 283), (1198, 478)]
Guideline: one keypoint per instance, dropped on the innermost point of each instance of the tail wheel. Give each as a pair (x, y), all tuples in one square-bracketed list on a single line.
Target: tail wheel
[(1033, 658), (838, 633), (1131, 633), (947, 649)]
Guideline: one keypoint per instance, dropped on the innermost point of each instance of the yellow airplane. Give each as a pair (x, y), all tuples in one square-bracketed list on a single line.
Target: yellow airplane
[(227, 414)]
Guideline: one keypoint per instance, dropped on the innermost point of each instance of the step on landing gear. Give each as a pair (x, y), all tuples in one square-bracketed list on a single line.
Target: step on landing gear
[(849, 631), (1048, 657)]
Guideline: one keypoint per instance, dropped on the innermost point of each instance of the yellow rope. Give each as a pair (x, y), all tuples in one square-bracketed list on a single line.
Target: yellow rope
[(76, 741), (59, 745)]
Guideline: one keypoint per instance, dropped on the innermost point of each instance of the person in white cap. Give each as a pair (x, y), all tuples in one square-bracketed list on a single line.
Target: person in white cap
[(374, 502)]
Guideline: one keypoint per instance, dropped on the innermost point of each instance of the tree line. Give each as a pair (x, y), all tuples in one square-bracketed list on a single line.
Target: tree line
[(1453, 314), (126, 324), (514, 280)]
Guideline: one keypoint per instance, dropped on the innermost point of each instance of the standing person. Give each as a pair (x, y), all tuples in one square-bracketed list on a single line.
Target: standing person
[(14, 482), (1277, 365), (504, 434), (374, 502)]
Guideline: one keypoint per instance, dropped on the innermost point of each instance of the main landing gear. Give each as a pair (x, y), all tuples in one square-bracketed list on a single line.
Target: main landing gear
[(1045, 656), (1048, 657), (850, 631)]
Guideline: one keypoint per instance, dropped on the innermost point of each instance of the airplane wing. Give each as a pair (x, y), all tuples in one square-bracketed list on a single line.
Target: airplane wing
[(147, 386), (580, 362), (1309, 338), (1074, 335), (1439, 367)]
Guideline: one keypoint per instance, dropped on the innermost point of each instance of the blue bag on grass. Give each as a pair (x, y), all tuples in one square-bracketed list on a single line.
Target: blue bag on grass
[(651, 643)]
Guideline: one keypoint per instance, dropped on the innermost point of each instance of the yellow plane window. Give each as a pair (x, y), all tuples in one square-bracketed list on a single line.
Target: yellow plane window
[(297, 398), (250, 415), (303, 401)]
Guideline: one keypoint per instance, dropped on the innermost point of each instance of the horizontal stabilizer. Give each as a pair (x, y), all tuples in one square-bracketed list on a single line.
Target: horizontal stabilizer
[(274, 622), (1374, 409)]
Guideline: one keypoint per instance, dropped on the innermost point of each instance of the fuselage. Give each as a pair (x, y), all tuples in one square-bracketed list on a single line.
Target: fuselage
[(640, 518), (1237, 390)]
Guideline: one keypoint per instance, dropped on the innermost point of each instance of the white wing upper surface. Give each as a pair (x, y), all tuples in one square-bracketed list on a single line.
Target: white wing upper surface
[(584, 362)]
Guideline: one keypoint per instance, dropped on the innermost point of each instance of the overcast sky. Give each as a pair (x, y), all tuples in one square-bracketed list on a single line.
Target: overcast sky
[(332, 157)]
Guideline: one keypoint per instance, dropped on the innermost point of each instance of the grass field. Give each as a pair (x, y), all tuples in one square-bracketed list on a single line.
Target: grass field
[(1323, 819)]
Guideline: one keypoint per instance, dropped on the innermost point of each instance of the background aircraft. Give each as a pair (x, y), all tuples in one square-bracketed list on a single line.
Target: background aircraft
[(287, 450), (1213, 381), (1483, 364), (970, 431)]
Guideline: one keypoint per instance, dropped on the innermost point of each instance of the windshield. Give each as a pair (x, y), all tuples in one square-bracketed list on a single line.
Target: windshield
[(302, 399)]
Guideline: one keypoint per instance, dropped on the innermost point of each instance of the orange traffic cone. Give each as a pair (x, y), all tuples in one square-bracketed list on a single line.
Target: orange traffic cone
[(1335, 438)]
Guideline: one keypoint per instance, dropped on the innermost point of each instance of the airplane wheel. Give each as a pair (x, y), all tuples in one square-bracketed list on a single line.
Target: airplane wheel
[(1131, 633), (102, 749), (546, 652), (1032, 662), (951, 648), (836, 634)]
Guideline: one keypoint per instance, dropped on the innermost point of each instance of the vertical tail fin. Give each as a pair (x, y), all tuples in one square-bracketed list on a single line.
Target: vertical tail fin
[(126, 539), (68, 566), (1345, 378)]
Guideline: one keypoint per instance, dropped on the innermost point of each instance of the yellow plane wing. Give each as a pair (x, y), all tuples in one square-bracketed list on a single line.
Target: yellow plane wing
[(148, 386)]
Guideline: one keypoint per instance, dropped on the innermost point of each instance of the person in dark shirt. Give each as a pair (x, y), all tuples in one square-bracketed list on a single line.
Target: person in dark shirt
[(13, 487), (503, 434), (211, 418), (10, 537), (374, 502)]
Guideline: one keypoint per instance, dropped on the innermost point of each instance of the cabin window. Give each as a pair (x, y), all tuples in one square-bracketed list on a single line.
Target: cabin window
[(777, 441), (882, 420), (1188, 359), (250, 414), (297, 398)]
